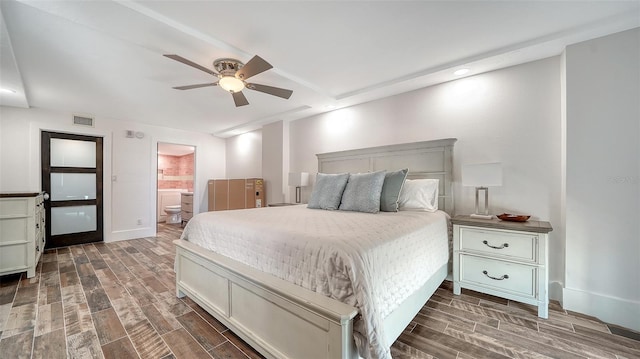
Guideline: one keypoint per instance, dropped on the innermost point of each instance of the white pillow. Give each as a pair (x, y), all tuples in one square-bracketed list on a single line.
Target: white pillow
[(419, 195)]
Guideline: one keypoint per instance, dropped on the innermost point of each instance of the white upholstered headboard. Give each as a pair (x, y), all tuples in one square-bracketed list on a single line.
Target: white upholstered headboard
[(426, 159)]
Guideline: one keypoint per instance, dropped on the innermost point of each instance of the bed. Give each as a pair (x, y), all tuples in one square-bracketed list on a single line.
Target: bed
[(274, 312)]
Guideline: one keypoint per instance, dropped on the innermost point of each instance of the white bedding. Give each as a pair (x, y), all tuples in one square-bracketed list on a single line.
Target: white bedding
[(370, 261)]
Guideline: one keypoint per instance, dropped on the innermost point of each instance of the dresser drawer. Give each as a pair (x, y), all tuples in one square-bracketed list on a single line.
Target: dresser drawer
[(515, 246), (13, 257), (14, 230), (15, 207), (513, 278), (186, 200), (186, 215)]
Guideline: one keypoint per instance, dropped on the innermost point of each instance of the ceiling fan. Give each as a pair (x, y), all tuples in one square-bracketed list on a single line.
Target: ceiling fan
[(232, 75)]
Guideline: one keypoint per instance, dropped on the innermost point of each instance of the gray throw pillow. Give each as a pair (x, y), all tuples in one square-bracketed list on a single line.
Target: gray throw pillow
[(362, 193), (327, 191), (393, 182)]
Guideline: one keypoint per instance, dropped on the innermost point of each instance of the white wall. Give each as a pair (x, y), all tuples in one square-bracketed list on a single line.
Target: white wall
[(273, 161), (603, 178), (244, 155), (133, 161)]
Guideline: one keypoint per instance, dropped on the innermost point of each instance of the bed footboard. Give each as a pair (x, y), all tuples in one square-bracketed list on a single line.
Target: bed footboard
[(277, 318)]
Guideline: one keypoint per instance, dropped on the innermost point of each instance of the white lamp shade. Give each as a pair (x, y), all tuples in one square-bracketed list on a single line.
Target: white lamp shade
[(482, 175), (299, 179)]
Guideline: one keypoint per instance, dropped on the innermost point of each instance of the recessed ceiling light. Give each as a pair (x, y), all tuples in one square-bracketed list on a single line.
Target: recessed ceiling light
[(460, 72), (4, 90)]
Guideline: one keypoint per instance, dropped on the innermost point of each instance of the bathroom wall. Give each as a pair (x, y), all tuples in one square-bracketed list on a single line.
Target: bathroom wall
[(175, 172)]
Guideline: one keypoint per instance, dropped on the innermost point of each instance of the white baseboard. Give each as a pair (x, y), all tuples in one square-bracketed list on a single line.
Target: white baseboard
[(555, 291), (131, 234), (609, 309)]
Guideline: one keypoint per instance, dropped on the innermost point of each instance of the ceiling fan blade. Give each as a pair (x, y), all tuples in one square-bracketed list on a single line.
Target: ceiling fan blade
[(255, 66), (189, 87), (239, 99), (191, 63), (275, 91)]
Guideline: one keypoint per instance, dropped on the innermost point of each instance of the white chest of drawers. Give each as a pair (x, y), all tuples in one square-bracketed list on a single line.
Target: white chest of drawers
[(505, 259), (22, 232)]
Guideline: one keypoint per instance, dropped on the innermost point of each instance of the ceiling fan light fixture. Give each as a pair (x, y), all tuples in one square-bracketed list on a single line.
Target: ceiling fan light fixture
[(231, 84), (232, 74)]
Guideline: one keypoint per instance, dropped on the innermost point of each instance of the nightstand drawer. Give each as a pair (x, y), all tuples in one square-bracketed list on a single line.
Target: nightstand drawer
[(186, 201), (515, 246), (505, 277)]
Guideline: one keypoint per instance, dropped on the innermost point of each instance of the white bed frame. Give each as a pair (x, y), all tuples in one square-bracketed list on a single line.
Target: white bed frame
[(283, 320)]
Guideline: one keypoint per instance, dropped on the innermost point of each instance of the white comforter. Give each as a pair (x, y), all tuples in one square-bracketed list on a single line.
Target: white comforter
[(370, 261)]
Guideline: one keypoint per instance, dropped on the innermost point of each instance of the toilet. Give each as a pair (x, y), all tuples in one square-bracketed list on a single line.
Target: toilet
[(173, 214)]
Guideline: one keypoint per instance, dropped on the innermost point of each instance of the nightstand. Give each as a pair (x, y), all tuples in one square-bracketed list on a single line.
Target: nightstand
[(505, 259)]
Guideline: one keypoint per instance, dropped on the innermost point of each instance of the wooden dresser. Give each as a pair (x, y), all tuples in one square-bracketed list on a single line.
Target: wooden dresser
[(186, 207), (22, 232)]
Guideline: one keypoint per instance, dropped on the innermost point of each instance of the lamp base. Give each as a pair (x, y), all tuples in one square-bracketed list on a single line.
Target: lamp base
[(481, 216), (298, 194)]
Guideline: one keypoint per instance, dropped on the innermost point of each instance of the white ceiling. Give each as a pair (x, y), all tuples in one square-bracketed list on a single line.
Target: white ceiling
[(104, 58), (171, 149)]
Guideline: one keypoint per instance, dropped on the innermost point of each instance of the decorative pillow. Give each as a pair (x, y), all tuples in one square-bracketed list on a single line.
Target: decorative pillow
[(419, 195), (391, 188), (362, 193), (327, 191)]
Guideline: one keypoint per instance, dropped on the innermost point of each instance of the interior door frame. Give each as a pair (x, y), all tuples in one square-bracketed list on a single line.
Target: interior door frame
[(157, 177), (46, 170)]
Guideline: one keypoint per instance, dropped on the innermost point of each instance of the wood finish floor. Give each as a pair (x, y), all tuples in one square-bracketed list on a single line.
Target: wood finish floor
[(117, 300)]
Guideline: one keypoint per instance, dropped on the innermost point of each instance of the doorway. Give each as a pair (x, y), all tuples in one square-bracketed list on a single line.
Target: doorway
[(72, 176), (175, 183)]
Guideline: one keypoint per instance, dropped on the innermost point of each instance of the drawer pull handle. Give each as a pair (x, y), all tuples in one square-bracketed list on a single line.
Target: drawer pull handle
[(494, 247), (506, 276)]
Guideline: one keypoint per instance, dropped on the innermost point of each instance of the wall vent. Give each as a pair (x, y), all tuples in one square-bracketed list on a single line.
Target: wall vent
[(83, 121)]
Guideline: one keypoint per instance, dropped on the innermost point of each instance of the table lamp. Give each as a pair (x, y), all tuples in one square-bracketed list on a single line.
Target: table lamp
[(481, 176), (298, 179)]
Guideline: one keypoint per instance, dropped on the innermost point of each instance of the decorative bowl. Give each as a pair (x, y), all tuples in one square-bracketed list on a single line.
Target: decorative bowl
[(514, 217)]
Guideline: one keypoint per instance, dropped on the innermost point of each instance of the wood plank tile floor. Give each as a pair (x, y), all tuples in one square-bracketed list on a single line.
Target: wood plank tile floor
[(117, 300)]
